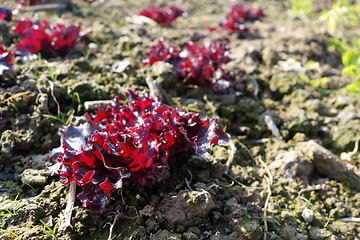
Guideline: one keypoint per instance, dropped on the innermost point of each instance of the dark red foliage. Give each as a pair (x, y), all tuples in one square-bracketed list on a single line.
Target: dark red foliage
[(128, 142), (197, 65), (6, 14), (25, 3), (237, 16), (52, 40), (162, 52), (6, 59), (163, 16)]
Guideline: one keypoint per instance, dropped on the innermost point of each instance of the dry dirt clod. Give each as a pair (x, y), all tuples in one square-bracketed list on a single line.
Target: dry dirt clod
[(187, 208), (34, 177), (291, 165), (330, 165)]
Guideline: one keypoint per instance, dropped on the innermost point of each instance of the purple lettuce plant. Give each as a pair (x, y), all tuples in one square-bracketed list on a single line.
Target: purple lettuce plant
[(128, 143)]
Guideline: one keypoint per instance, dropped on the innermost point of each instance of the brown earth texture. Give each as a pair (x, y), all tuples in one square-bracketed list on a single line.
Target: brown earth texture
[(289, 172)]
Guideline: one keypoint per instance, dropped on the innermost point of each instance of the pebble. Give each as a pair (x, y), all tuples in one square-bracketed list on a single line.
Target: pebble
[(308, 215)]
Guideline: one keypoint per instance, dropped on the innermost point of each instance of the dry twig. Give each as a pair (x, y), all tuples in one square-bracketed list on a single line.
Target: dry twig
[(350, 219), (330, 165), (272, 126), (250, 153), (332, 212), (66, 218), (188, 181), (232, 151), (156, 90), (94, 105), (269, 180), (47, 7), (118, 215), (239, 183), (112, 226), (347, 156), (266, 206), (55, 100)]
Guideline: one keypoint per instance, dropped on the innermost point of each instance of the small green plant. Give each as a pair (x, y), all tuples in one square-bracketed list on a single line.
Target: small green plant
[(340, 46), (87, 54), (301, 8), (12, 233), (342, 14), (77, 96), (8, 212), (34, 75), (39, 58), (351, 61), (315, 83), (14, 105), (53, 75), (127, 47), (61, 119), (49, 231), (32, 188)]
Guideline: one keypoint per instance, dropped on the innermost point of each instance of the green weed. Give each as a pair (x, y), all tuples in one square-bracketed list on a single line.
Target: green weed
[(14, 105), (343, 14), (301, 8), (77, 96), (61, 119), (8, 212), (12, 233), (49, 231), (53, 75), (34, 189)]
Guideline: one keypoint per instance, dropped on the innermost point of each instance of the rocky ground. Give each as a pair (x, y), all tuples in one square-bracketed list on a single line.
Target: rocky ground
[(275, 187)]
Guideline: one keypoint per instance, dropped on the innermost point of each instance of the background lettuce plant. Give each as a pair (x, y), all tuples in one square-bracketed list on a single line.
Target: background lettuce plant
[(351, 61)]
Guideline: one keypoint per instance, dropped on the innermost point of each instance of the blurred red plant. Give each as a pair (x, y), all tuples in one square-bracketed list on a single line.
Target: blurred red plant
[(236, 18), (195, 65), (128, 143), (6, 59), (25, 3), (52, 40), (163, 16), (5, 14)]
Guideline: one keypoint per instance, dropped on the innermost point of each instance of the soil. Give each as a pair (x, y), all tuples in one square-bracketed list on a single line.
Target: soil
[(271, 191)]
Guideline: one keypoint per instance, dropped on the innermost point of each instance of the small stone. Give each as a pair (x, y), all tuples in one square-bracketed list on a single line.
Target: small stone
[(308, 215), (120, 66), (190, 236), (93, 46), (164, 234), (147, 211)]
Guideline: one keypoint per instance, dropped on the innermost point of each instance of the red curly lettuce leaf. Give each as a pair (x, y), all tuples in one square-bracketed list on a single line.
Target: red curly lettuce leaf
[(25, 3), (6, 59), (51, 40), (195, 65), (128, 143), (162, 16), (162, 51), (236, 18), (89, 1)]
